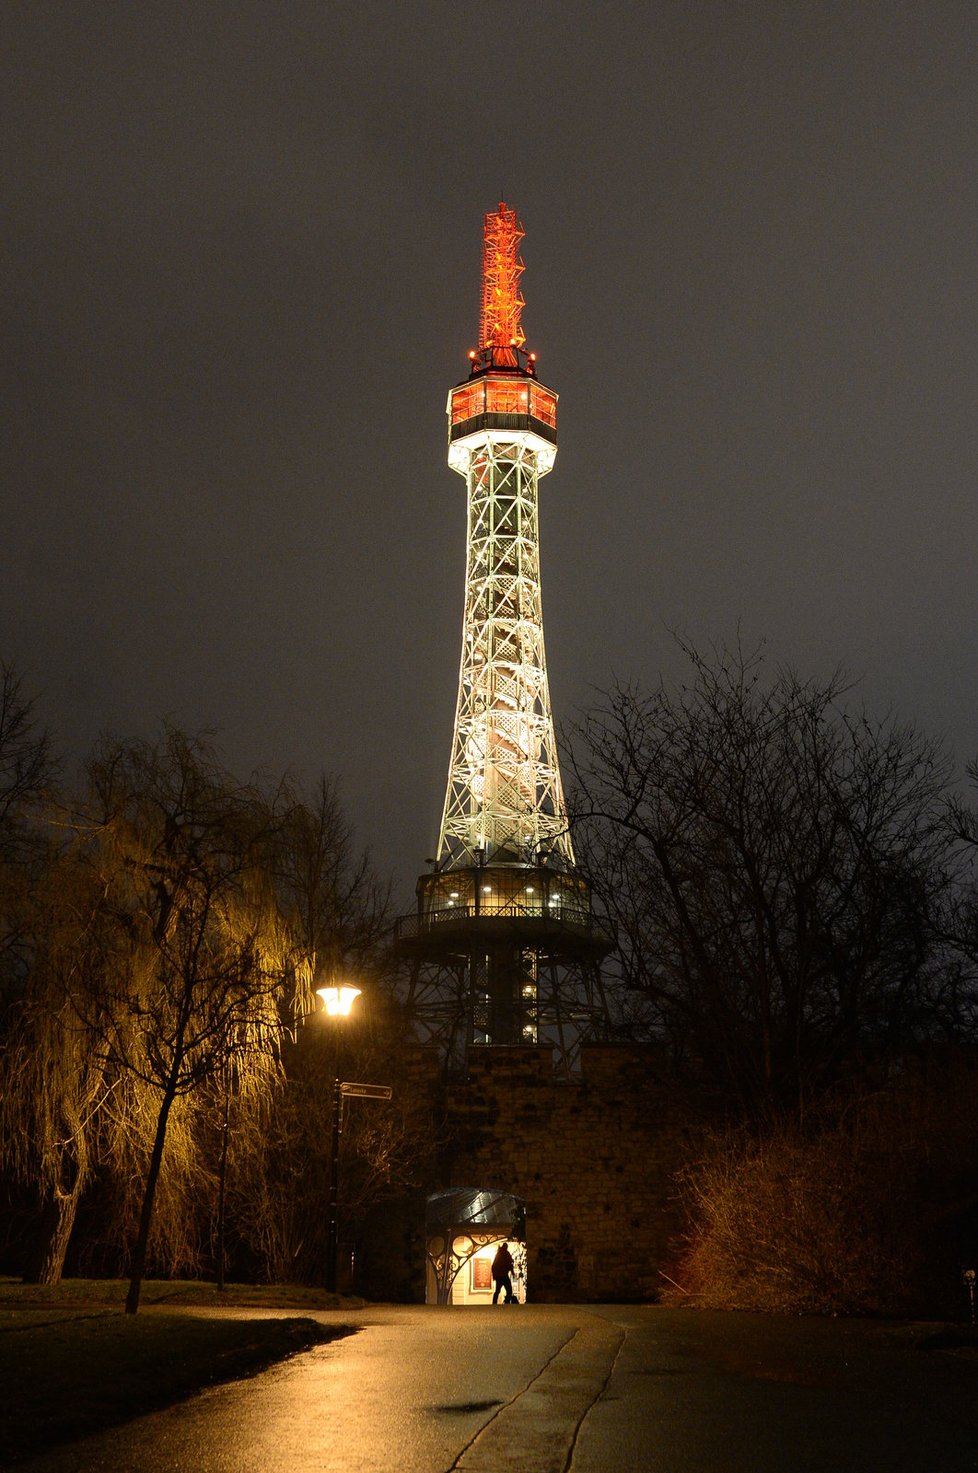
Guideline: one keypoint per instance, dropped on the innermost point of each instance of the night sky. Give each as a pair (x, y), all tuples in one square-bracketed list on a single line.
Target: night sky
[(240, 272)]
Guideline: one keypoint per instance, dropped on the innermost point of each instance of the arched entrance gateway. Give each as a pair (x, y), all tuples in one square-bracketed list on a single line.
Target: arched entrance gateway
[(464, 1227)]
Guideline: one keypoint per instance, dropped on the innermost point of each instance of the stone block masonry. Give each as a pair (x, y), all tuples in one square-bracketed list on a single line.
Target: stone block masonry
[(593, 1156)]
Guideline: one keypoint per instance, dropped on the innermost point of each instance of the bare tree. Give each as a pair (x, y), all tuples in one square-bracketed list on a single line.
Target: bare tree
[(955, 1002), (328, 890), (157, 940), (281, 1175), (772, 862), (48, 1084), (27, 770), (52, 1078), (280, 1150), (27, 765), (186, 856)]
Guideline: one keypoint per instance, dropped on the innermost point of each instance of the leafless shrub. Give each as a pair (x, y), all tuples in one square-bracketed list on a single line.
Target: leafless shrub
[(859, 1213)]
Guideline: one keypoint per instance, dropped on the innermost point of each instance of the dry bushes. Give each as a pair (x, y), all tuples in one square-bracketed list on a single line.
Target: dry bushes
[(873, 1210)]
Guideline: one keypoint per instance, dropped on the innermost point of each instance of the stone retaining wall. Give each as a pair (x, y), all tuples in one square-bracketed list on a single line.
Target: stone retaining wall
[(593, 1157)]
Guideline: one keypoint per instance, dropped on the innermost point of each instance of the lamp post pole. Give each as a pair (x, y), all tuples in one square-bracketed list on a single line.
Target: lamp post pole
[(334, 1180), (341, 1089), (337, 1002)]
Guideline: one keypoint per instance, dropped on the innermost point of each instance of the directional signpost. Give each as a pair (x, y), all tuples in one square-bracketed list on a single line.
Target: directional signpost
[(367, 1091)]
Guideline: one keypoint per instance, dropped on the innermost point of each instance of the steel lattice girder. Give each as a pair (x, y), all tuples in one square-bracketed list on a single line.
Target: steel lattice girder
[(568, 1008), (504, 791)]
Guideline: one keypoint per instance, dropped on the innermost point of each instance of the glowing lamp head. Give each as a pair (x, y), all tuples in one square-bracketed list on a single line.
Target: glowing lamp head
[(338, 1001)]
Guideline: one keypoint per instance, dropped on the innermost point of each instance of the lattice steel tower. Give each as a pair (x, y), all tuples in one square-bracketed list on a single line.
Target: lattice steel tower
[(505, 943)]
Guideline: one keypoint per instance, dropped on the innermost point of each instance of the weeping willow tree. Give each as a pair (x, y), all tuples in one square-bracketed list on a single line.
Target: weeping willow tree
[(209, 970), (50, 1081), (109, 1213), (154, 953), (53, 1085)]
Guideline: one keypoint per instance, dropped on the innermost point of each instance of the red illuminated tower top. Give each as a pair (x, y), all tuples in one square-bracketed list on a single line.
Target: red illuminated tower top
[(502, 303), (501, 357), (501, 336)]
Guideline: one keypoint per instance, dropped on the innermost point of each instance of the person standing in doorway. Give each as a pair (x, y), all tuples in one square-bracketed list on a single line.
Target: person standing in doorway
[(502, 1271)]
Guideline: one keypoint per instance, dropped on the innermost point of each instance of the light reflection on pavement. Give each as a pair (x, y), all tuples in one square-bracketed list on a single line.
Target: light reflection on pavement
[(569, 1389), (409, 1391)]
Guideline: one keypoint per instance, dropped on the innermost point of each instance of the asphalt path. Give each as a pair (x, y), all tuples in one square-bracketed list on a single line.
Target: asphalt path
[(569, 1389)]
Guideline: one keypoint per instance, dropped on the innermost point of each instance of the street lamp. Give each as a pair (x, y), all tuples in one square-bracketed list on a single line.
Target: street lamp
[(337, 1002)]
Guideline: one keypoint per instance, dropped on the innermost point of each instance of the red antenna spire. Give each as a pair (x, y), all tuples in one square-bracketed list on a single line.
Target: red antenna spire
[(500, 331)]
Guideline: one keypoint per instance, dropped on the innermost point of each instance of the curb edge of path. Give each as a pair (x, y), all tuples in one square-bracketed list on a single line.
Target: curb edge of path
[(538, 1429)]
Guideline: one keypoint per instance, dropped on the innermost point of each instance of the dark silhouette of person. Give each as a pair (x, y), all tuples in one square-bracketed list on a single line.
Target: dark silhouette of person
[(502, 1268)]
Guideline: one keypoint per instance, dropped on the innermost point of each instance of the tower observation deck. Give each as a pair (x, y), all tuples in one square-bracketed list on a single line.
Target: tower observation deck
[(504, 940)]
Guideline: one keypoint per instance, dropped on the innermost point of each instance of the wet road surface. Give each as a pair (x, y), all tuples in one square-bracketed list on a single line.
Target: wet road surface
[(568, 1389)]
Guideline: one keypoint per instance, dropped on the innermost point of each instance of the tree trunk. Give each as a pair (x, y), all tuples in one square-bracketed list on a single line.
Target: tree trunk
[(47, 1260), (146, 1215), (222, 1187), (58, 1212)]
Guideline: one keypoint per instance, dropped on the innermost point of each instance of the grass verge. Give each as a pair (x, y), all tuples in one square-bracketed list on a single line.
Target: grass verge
[(68, 1372), (78, 1293)]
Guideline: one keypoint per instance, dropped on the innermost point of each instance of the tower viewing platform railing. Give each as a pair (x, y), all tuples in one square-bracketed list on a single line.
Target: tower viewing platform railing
[(544, 908), (502, 403), (584, 925), (497, 420)]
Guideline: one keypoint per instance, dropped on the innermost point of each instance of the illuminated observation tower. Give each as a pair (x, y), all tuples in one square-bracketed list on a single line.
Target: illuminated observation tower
[(505, 945)]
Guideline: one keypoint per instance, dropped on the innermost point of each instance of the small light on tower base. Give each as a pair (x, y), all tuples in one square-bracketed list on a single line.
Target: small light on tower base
[(338, 1001)]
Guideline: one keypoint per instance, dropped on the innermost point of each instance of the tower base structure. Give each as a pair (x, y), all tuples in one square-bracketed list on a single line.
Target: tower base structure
[(505, 954)]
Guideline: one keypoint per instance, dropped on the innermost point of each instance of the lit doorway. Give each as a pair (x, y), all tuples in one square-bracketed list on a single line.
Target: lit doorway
[(464, 1228)]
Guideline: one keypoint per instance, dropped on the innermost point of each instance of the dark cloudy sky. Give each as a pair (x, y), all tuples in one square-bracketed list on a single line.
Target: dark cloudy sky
[(240, 261)]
